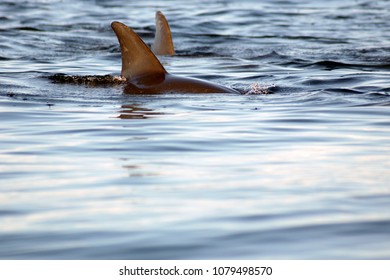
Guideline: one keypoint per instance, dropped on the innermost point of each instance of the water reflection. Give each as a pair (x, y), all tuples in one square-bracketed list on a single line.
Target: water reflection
[(138, 169), (134, 111)]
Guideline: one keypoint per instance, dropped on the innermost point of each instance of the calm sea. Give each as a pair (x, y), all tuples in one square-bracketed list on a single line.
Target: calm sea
[(303, 172)]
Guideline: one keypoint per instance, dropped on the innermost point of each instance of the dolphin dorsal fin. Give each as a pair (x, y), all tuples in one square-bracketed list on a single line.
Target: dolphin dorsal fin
[(163, 44), (137, 59)]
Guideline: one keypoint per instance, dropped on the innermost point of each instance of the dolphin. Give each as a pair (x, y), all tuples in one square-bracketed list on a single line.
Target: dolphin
[(145, 74), (163, 44)]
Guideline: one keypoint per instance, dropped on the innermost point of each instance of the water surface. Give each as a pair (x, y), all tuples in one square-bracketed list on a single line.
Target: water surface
[(88, 172)]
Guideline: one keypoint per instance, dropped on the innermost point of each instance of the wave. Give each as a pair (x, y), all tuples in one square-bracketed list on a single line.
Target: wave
[(330, 65)]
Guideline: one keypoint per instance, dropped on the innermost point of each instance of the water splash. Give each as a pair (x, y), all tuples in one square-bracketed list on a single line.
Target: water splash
[(256, 88)]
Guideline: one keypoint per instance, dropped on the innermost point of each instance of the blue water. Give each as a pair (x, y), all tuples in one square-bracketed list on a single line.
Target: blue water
[(303, 172)]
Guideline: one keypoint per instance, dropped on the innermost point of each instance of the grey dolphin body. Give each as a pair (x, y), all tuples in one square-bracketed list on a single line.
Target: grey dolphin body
[(145, 74)]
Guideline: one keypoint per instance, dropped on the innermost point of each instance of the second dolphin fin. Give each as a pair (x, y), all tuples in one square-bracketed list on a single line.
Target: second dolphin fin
[(163, 44)]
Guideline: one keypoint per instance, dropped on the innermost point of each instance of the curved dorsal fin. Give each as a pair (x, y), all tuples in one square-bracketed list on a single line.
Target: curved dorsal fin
[(137, 59), (163, 44)]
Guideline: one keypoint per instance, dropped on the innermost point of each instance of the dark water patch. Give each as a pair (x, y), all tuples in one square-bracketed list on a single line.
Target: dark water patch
[(5, 213), (315, 231), (274, 56), (342, 91), (260, 218), (292, 62), (331, 65), (352, 97), (212, 13), (203, 51), (372, 90), (57, 245), (58, 27), (286, 89), (373, 104), (384, 91), (204, 26), (115, 49), (314, 39), (28, 28), (372, 5), (340, 17), (3, 58), (164, 252), (329, 80)]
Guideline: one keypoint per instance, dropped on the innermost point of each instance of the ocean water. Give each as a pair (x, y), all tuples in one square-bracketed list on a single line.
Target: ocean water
[(296, 167)]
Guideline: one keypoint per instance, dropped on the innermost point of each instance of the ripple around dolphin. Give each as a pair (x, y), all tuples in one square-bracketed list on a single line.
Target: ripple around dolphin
[(88, 80)]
